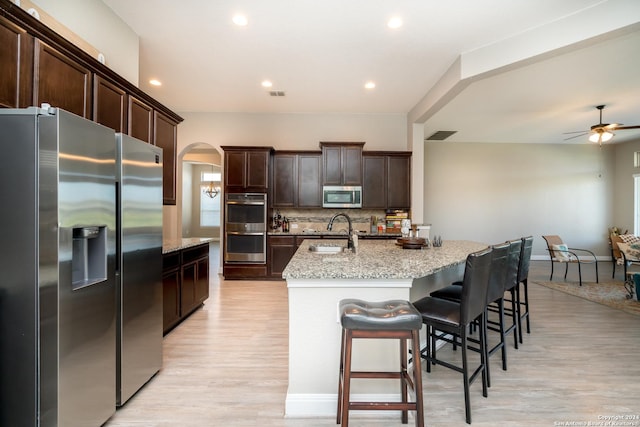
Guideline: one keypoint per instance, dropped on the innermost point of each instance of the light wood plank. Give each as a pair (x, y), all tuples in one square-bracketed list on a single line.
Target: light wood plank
[(226, 365)]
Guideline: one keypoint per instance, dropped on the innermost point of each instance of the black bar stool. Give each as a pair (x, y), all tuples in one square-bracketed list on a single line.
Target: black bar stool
[(396, 319)]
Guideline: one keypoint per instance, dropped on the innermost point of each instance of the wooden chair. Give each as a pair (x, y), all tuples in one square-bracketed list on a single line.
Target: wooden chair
[(560, 252)]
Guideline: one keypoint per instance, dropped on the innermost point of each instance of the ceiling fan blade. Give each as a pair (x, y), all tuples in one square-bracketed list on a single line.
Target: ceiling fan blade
[(576, 136), (584, 132), (628, 127), (612, 126)]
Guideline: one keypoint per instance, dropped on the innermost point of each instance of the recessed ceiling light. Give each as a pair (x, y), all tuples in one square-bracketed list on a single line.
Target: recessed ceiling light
[(155, 82), (395, 22), (266, 83), (240, 20), (370, 85)]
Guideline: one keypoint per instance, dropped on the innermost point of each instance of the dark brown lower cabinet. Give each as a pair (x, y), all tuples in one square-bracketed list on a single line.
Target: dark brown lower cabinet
[(170, 290), (185, 283), (280, 252)]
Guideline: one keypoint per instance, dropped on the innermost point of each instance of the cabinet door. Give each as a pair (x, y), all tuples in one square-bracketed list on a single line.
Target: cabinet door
[(188, 288), (16, 66), (61, 82), (258, 169), (399, 182), (374, 183), (140, 120), (280, 252), (285, 174), (170, 299), (202, 280), (234, 168), (165, 136), (352, 165), (332, 166), (310, 180), (109, 104)]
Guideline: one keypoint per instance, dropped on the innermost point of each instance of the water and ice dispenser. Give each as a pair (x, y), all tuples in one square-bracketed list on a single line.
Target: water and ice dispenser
[(89, 260)]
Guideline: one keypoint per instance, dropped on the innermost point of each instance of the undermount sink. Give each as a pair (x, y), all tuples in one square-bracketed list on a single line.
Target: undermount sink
[(327, 249)]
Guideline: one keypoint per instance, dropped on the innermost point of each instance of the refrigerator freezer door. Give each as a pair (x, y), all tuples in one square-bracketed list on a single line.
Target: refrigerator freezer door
[(139, 343), (58, 358)]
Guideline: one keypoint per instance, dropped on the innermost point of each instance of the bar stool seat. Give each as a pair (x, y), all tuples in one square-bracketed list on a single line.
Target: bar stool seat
[(394, 319)]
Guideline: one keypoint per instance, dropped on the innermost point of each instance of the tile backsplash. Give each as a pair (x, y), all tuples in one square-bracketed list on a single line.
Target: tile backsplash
[(317, 219)]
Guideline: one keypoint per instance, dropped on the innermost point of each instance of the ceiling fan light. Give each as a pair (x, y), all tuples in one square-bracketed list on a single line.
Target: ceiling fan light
[(599, 136)]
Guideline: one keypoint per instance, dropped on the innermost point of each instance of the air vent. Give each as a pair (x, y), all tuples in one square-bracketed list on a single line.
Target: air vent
[(441, 135), (276, 93)]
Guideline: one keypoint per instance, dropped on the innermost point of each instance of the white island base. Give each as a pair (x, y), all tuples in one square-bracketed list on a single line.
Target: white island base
[(314, 325)]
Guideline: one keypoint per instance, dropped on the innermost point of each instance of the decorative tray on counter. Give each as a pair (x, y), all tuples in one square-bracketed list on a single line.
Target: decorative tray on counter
[(412, 242)]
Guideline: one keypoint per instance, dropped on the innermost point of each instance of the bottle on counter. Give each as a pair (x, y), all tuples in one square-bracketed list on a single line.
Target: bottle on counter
[(374, 224), (285, 225)]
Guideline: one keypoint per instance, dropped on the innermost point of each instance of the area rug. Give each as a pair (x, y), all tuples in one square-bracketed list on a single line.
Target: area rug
[(612, 294)]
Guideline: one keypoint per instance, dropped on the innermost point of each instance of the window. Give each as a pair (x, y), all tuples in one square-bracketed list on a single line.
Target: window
[(210, 207), (636, 205)]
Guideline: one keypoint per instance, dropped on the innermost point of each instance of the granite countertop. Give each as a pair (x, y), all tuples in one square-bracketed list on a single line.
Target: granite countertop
[(173, 245), (377, 259)]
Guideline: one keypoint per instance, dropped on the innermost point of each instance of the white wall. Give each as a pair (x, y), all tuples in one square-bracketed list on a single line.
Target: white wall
[(99, 26), (187, 198), (296, 131), (496, 192)]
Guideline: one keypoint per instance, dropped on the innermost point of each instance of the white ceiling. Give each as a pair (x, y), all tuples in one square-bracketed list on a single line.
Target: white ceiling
[(321, 53)]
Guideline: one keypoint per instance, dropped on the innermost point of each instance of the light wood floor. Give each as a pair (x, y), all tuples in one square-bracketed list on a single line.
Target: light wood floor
[(226, 365)]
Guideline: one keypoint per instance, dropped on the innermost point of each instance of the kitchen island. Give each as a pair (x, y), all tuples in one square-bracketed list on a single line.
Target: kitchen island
[(316, 282)]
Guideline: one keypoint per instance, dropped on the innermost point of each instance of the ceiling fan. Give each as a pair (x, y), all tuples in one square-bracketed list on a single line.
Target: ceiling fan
[(602, 132)]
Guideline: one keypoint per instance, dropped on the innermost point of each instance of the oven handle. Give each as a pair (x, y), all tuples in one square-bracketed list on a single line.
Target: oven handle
[(259, 203), (241, 233)]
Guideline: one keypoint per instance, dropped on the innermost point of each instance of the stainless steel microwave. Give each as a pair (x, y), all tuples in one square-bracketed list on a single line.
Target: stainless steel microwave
[(340, 196)]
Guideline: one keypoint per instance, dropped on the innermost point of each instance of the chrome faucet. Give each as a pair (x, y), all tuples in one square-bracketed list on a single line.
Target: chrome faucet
[(350, 237)]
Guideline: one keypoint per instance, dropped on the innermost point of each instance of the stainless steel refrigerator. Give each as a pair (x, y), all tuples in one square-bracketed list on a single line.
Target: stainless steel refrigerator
[(57, 270), (139, 269)]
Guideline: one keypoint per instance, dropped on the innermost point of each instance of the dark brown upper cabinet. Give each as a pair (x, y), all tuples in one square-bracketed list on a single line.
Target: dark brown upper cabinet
[(285, 179), (109, 104), (374, 181), (342, 163), (310, 180), (165, 136), (246, 169), (297, 179), (38, 65), (386, 180), (61, 81), (140, 120), (16, 66)]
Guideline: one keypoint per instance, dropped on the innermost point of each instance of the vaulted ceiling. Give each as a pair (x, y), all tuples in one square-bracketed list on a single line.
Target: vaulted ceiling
[(492, 70)]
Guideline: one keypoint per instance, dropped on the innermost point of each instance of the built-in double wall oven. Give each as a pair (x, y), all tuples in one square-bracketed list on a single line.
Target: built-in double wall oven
[(246, 228)]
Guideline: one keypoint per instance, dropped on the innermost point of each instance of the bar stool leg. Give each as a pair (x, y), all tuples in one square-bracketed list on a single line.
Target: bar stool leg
[(346, 387), (403, 376), (417, 378), (341, 379)]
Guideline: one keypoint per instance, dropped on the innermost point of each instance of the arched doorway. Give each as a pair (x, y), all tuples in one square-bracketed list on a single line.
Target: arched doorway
[(201, 182)]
